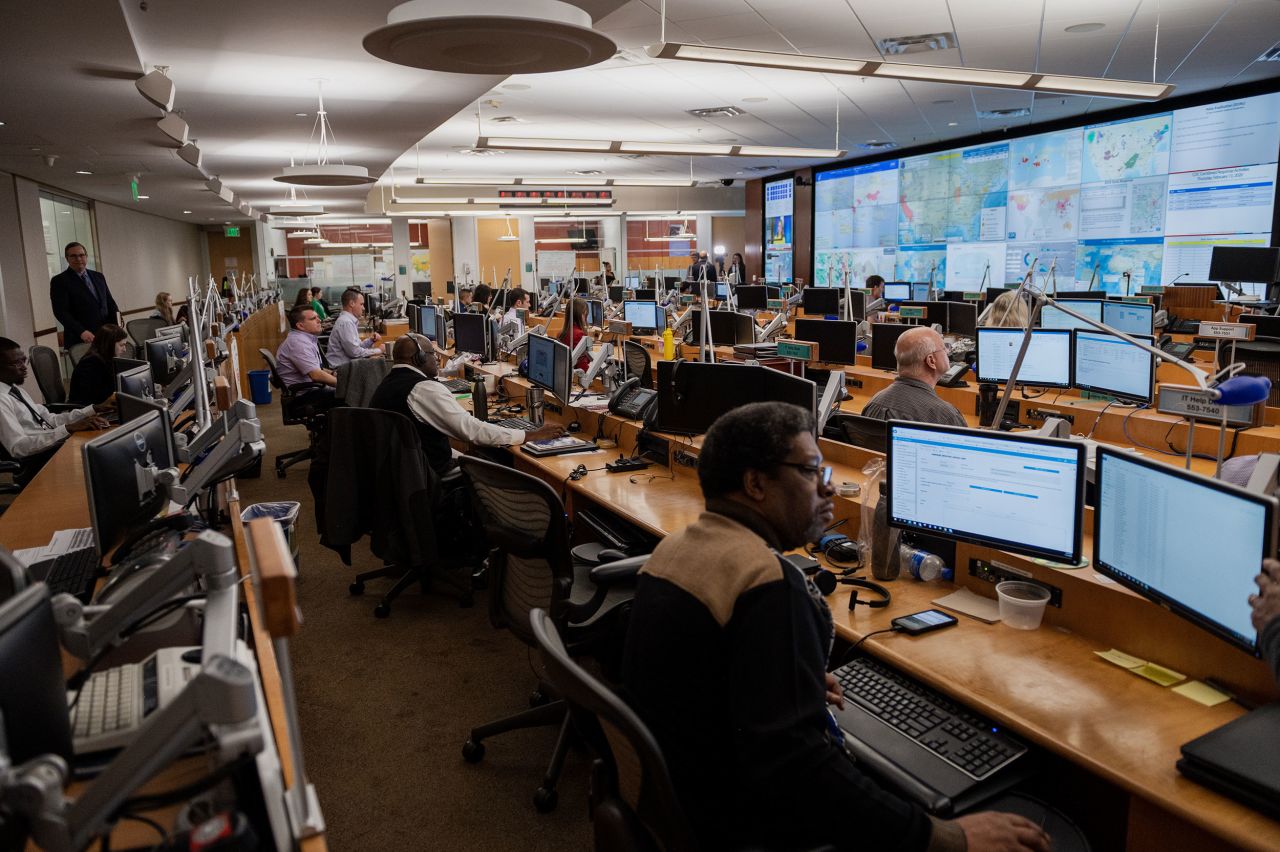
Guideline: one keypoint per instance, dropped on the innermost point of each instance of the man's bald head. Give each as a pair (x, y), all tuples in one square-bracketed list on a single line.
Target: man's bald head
[(921, 354), (405, 351)]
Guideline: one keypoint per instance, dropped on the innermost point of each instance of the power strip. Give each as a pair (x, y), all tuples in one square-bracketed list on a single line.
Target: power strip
[(626, 465)]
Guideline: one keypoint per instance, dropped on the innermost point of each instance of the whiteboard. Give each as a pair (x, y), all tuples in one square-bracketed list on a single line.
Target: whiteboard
[(556, 264)]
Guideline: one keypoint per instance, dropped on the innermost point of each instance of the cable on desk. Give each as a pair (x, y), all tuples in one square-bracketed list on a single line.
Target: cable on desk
[(1124, 429), (105, 846), (848, 655), (1098, 419)]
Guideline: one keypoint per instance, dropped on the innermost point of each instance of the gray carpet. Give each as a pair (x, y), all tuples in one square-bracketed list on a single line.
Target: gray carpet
[(385, 705)]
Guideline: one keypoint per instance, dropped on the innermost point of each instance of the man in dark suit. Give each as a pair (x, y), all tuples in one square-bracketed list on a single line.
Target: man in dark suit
[(82, 302)]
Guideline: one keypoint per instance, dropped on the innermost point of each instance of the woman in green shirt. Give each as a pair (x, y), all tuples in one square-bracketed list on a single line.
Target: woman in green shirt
[(318, 304)]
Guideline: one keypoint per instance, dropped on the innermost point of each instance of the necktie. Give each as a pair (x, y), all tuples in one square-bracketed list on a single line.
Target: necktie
[(17, 394), (84, 276)]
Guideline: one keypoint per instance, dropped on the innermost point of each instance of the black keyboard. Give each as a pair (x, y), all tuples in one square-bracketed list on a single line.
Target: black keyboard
[(456, 385), (943, 756), (514, 423), (74, 573)]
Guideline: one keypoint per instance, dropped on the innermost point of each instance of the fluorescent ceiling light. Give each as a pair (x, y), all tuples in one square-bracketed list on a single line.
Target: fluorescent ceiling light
[(578, 181), (690, 149), (548, 240), (551, 181), (991, 78), (465, 181), (514, 202), (650, 182)]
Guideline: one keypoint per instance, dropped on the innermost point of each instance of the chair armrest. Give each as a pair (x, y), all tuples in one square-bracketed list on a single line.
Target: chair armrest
[(303, 387), (619, 571), (9, 467)]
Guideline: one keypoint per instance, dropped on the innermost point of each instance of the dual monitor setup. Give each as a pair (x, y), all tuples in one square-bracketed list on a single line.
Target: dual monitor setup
[(1064, 358)]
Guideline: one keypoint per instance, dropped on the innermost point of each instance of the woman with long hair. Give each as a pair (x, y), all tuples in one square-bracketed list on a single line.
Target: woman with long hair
[(575, 330), (1007, 311), (94, 378), (304, 297), (164, 307)]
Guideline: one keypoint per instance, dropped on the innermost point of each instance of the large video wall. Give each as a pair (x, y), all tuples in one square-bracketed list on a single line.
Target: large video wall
[(1127, 203), (779, 226)]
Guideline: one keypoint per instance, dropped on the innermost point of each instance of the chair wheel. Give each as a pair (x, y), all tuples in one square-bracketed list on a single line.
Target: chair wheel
[(356, 589), (538, 698), (545, 800), (382, 610), (473, 751)]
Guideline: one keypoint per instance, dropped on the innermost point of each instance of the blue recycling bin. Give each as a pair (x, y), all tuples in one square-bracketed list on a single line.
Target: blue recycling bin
[(260, 386)]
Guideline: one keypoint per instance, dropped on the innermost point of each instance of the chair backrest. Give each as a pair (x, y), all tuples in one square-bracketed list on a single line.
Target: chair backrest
[(635, 805), (637, 360), (76, 351), (525, 523), (142, 330), (270, 359), (1261, 357), (44, 363), (870, 433)]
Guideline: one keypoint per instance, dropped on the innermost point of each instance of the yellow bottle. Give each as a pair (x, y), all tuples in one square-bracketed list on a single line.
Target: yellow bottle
[(668, 345)]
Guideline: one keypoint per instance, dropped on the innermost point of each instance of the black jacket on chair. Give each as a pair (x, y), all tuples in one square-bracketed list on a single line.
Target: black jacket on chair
[(76, 308), (393, 395)]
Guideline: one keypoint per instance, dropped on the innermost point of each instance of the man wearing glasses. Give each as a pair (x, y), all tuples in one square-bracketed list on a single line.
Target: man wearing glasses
[(82, 302), (922, 359), (726, 657)]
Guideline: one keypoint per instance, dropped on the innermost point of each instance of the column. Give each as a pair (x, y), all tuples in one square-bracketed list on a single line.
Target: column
[(400, 260)]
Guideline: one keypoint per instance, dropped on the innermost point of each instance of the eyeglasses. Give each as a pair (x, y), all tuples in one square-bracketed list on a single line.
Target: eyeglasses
[(823, 472)]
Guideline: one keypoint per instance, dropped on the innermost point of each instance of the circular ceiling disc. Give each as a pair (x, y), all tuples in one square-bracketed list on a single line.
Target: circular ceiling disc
[(333, 174)]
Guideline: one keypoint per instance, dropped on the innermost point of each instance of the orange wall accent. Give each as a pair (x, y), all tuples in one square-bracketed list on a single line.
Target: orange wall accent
[(492, 253)]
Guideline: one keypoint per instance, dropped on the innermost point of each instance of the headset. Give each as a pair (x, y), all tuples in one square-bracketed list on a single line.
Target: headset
[(420, 356), (827, 583)]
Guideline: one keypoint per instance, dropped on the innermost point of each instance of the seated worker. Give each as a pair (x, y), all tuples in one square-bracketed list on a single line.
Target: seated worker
[(922, 359), (517, 300), (464, 300), (29, 432), (94, 378), (298, 359), (726, 656), (575, 328), (317, 303), (480, 299), (1009, 310), (344, 340), (411, 389), (1266, 614)]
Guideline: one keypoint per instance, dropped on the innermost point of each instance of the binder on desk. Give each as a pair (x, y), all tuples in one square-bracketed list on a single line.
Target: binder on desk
[(1238, 760)]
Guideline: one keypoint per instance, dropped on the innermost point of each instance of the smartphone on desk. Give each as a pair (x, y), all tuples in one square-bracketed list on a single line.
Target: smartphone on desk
[(923, 622)]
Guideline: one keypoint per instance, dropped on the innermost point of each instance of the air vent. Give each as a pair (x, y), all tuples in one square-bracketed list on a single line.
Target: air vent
[(634, 156), (1272, 55), (586, 172), (761, 168), (1012, 112), (878, 146), (717, 112), (507, 119), (898, 45), (480, 152)]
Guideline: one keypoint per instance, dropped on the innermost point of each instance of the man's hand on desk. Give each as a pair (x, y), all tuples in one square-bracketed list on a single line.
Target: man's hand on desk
[(108, 404), (90, 422), (993, 831), (835, 695), (545, 432), (1266, 603)]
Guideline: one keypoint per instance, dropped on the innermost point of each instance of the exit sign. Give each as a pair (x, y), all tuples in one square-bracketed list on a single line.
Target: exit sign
[(231, 231)]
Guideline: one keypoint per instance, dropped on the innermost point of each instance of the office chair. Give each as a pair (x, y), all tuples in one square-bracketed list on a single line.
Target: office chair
[(530, 567), (379, 484), (637, 362), (44, 363), (10, 468), (142, 330), (76, 351), (1261, 357), (870, 433), (294, 413), (633, 803)]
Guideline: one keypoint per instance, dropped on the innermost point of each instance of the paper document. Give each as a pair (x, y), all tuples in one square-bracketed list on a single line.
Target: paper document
[(63, 541)]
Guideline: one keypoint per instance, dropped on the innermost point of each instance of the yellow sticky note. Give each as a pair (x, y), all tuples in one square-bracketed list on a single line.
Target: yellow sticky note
[(1159, 674), (1201, 693), (1121, 659)]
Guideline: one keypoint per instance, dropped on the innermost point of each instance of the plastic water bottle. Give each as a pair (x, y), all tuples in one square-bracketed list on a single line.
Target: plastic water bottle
[(923, 565), (668, 345)]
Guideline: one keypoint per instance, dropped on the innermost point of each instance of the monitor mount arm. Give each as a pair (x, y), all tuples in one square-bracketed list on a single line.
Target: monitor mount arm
[(240, 410), (598, 362), (240, 446)]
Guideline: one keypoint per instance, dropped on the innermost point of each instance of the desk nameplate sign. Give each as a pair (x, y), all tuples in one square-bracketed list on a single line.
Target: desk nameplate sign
[(797, 350), (1227, 330), (911, 312), (1190, 402)]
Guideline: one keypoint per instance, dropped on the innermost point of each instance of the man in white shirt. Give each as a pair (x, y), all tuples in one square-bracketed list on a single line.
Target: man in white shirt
[(344, 339), (518, 301), (411, 389), (29, 432)]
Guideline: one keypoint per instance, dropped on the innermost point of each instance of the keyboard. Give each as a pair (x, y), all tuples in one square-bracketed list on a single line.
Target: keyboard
[(114, 702), (456, 385), (514, 423), (931, 748), (73, 572)]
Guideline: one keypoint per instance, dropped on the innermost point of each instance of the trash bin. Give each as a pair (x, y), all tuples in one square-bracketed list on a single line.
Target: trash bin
[(284, 513), (260, 386)]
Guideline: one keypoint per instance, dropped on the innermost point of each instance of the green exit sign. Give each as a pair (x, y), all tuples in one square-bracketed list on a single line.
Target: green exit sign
[(231, 230), (911, 312), (796, 350), (972, 297), (133, 188)]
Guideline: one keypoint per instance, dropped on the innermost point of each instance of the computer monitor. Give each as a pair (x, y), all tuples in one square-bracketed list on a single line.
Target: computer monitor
[(645, 317), (857, 304), (426, 320), (884, 336), (119, 365), (821, 300), (1013, 492), (722, 290), (837, 340), (1268, 326), (469, 334), (1128, 317), (33, 704), (617, 293), (179, 330), (421, 289), (1085, 295), (549, 366), (962, 318), (165, 355), (753, 298), (993, 293), (595, 312), (136, 381), (870, 433), (441, 336), (692, 396), (132, 407), (122, 495), (728, 328), (631, 282), (1188, 542), (921, 291), (646, 294), (1051, 317), (1244, 263), (1047, 363), (897, 291), (1106, 364)]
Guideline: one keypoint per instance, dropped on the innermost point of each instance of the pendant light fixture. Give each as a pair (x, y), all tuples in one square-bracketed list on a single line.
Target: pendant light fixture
[(322, 172)]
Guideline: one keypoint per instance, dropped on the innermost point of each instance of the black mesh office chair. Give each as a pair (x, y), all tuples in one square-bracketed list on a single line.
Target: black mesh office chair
[(637, 362), (633, 803), (142, 330), (870, 433), (530, 567), (48, 372), (76, 351), (294, 412), (1261, 357)]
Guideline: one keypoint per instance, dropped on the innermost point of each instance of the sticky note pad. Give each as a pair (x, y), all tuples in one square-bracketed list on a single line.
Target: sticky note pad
[(1201, 693), (1158, 674), (976, 606), (1121, 659)]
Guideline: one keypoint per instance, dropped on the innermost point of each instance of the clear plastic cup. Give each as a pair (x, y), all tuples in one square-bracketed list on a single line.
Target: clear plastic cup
[(1021, 604)]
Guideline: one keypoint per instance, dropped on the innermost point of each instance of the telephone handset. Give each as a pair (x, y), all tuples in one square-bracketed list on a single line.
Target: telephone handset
[(954, 376), (1181, 351), (632, 401)]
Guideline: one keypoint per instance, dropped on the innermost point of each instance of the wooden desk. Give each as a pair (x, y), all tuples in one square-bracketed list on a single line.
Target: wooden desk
[(1046, 685)]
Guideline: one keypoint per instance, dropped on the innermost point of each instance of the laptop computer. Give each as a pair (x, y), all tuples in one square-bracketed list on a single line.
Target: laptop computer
[(1238, 760)]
